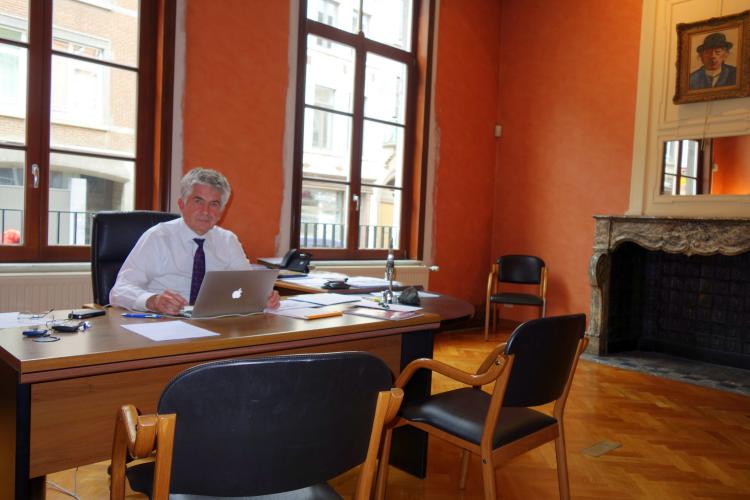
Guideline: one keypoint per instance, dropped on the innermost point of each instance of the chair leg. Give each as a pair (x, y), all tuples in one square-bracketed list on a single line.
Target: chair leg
[(385, 451), (464, 469), (488, 478), (487, 313), (562, 467)]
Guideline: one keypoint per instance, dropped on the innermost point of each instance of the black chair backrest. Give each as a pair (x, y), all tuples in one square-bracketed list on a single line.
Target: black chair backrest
[(544, 350), (113, 236), (273, 424), (520, 269)]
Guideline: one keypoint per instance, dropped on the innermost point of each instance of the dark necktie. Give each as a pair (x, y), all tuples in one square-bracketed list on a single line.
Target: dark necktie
[(199, 270)]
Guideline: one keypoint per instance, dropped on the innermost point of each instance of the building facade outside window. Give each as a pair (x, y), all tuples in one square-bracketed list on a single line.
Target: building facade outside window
[(91, 71), (354, 122)]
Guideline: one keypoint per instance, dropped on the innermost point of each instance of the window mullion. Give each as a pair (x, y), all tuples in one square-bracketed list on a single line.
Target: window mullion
[(356, 153)]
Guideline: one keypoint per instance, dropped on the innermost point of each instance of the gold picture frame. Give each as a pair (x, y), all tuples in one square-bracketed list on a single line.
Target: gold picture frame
[(713, 59)]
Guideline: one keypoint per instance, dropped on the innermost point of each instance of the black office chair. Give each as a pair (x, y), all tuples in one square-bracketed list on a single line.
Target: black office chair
[(533, 368), (113, 236), (279, 426), (516, 270)]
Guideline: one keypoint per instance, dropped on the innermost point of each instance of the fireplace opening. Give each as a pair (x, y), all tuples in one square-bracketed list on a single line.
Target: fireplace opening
[(697, 306)]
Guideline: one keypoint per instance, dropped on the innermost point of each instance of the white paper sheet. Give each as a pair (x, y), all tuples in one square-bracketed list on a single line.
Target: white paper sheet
[(286, 305), (324, 299), (391, 307), (307, 312), (10, 320), (169, 330)]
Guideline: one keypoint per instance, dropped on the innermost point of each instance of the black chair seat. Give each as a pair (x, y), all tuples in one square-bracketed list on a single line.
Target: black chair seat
[(521, 299), (140, 477), (462, 412)]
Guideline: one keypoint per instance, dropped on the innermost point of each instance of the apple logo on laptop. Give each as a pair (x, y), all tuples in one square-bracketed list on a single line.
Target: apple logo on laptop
[(237, 293)]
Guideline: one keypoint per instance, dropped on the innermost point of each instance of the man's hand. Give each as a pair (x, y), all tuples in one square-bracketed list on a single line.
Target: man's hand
[(167, 302), (273, 300)]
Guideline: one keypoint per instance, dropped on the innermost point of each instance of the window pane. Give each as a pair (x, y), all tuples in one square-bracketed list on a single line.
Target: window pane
[(81, 186), (378, 217), (11, 196), (13, 62), (106, 30), (669, 184), (670, 157), (14, 20), (688, 186), (324, 215), (329, 74), (333, 13), (383, 154), (385, 89), (94, 107), (389, 22), (689, 164), (327, 146)]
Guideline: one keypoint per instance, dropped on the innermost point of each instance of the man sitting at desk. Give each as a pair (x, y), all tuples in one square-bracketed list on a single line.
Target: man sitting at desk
[(165, 269)]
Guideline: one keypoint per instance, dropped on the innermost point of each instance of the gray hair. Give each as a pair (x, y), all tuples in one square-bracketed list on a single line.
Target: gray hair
[(209, 177)]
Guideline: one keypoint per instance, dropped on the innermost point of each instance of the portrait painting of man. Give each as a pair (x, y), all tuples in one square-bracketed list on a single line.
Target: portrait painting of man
[(713, 59), (714, 71)]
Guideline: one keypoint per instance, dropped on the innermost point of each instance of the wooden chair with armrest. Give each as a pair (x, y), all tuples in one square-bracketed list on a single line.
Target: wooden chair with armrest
[(535, 367), (275, 426)]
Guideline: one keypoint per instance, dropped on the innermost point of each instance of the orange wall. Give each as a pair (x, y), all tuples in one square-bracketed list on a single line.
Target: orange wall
[(465, 112), (567, 100), (235, 89), (732, 155), (559, 76)]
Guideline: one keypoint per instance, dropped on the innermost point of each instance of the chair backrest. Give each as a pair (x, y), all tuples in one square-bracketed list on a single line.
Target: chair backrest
[(522, 269), (113, 236), (267, 425), (544, 350)]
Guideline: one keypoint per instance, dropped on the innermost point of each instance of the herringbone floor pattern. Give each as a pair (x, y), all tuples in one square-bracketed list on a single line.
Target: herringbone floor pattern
[(678, 441)]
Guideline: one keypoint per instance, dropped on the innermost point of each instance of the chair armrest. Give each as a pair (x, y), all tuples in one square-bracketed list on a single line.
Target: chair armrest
[(386, 410), (491, 357), (490, 374), (138, 436)]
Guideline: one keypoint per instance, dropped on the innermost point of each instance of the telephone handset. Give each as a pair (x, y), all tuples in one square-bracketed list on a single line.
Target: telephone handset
[(295, 260)]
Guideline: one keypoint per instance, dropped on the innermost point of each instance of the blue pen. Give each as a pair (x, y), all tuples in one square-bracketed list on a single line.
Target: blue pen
[(141, 315)]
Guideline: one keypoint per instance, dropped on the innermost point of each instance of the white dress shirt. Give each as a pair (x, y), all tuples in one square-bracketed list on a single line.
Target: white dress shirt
[(163, 259)]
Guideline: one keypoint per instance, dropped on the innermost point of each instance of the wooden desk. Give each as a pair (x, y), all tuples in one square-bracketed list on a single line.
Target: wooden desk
[(58, 400)]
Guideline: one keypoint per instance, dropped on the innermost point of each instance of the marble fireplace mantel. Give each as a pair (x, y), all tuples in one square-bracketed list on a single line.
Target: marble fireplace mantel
[(689, 236)]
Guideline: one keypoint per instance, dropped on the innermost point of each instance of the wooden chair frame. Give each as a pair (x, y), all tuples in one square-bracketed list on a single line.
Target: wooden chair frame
[(496, 368), (493, 287), (142, 435)]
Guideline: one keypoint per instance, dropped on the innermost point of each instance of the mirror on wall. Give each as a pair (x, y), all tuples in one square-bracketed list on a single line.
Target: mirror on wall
[(708, 166)]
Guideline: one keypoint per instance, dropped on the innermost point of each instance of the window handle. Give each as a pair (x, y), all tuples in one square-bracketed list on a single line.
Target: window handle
[(35, 175), (355, 199)]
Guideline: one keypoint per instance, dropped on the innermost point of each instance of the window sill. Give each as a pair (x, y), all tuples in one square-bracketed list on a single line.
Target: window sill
[(45, 267)]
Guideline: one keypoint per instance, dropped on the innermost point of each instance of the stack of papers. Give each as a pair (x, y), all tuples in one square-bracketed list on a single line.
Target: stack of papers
[(381, 313), (306, 312), (391, 307), (324, 299)]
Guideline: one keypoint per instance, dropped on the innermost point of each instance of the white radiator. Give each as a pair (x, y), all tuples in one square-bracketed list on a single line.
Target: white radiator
[(406, 275), (42, 291)]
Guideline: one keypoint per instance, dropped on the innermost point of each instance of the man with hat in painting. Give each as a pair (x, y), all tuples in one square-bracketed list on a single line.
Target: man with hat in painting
[(714, 73)]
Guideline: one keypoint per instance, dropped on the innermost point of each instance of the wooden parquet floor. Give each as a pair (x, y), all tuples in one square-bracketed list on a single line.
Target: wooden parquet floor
[(678, 441)]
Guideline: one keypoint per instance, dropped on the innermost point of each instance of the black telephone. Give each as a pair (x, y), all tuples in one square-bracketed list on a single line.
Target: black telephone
[(294, 260)]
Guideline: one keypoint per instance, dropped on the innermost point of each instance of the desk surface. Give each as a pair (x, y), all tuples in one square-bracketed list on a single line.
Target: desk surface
[(447, 307), (106, 342)]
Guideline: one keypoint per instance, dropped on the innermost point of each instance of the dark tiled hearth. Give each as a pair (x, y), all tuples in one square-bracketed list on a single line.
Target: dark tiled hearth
[(724, 378)]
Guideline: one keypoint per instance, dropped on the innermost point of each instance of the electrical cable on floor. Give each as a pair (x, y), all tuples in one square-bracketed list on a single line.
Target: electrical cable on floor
[(62, 490)]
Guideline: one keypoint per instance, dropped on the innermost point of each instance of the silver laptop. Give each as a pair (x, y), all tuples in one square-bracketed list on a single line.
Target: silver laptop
[(232, 292)]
